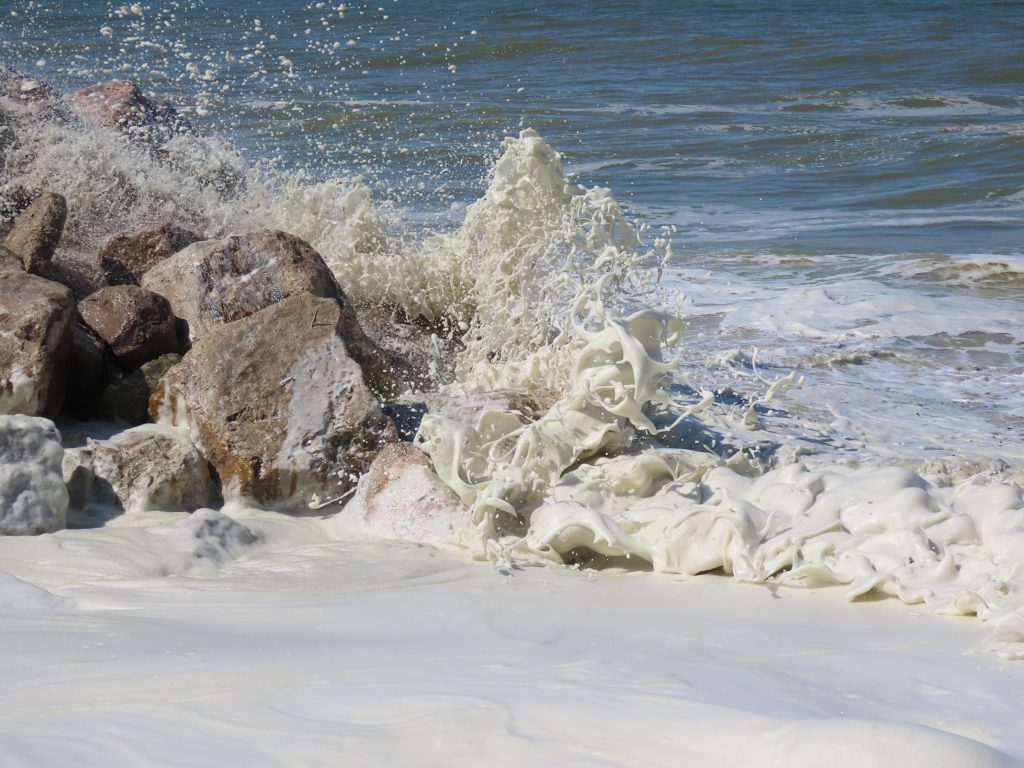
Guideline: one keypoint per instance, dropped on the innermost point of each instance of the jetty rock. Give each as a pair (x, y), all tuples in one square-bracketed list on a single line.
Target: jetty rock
[(214, 282), (401, 497), (138, 325), (33, 498), (37, 230), (150, 467), (126, 257), (119, 105), (278, 405), (36, 319), (126, 397)]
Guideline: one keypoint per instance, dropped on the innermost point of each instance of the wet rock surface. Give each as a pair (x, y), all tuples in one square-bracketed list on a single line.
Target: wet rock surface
[(119, 105), (150, 467), (126, 397), (36, 317), (37, 230), (291, 417), (33, 498), (138, 325), (126, 257)]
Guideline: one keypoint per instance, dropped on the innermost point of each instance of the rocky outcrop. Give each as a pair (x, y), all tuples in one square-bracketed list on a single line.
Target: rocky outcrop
[(144, 468), (37, 230), (292, 416), (126, 257), (219, 281), (33, 498), (126, 396), (119, 105), (138, 325), (36, 317), (401, 497)]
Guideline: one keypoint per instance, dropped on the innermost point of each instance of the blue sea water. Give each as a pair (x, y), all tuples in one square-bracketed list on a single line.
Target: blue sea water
[(843, 183)]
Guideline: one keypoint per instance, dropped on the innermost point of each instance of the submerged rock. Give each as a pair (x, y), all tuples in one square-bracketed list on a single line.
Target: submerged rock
[(33, 498), (119, 105), (401, 497), (215, 536), (292, 416), (220, 281), (137, 324), (126, 257), (37, 231), (150, 467), (36, 317)]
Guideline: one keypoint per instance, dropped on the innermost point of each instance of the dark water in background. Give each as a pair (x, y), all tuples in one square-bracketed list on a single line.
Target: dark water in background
[(845, 180), (857, 126)]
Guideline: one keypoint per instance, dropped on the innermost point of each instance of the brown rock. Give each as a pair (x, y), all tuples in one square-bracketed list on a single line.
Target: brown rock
[(37, 230), (119, 105), (126, 398), (19, 87), (401, 497), (137, 324), (126, 257), (283, 413), (36, 316), (10, 260), (219, 281)]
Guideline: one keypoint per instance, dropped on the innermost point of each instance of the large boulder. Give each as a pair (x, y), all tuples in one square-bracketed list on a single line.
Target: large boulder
[(219, 281), (33, 498), (401, 497), (150, 467), (119, 105), (290, 416), (126, 257), (138, 325), (37, 230), (36, 317)]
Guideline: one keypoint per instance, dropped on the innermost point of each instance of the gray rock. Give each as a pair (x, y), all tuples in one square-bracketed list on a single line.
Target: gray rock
[(37, 230), (9, 260), (215, 536), (214, 282), (291, 416), (136, 324), (126, 257), (150, 467), (33, 498), (36, 317)]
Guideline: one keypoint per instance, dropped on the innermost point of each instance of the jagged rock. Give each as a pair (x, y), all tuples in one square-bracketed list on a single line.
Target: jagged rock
[(10, 260), (150, 467), (36, 317), (87, 371), (219, 281), (126, 398), (119, 105), (291, 416), (137, 324), (37, 230), (33, 498), (126, 257), (401, 497), (420, 357)]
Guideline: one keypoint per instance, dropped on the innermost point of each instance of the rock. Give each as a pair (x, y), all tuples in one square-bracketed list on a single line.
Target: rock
[(9, 260), (421, 357), (37, 230), (25, 89), (87, 371), (220, 281), (119, 105), (126, 257), (401, 497), (36, 317), (215, 536), (76, 270), (33, 498), (13, 200), (291, 416), (126, 398), (137, 324), (150, 467)]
